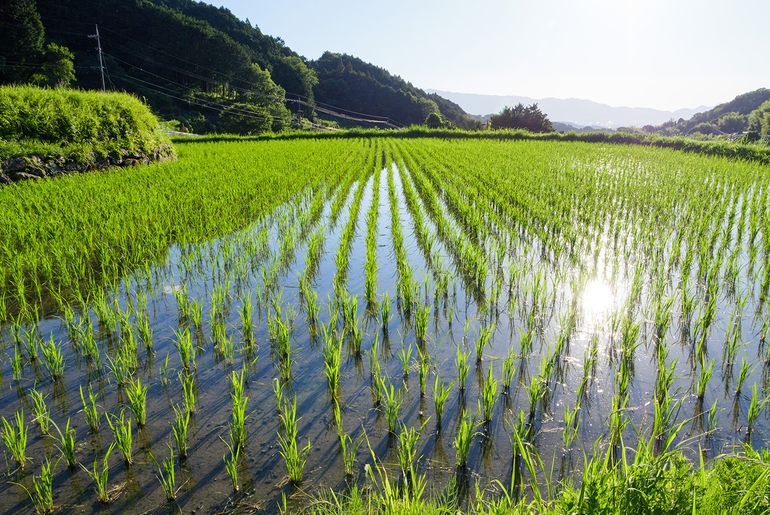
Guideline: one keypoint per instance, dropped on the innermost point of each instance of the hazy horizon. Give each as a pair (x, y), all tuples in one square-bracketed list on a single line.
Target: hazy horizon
[(618, 52)]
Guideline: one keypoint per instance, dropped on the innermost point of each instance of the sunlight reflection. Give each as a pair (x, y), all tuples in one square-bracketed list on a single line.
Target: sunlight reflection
[(597, 301)]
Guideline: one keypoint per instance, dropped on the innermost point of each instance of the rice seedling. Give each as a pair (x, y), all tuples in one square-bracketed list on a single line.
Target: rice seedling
[(53, 357), (356, 339), (704, 377), (405, 355), (407, 456), (507, 373), (247, 322), (179, 428), (278, 394), (742, 375), (121, 430), (166, 474), (17, 366), (755, 408), (186, 349), (42, 413), (385, 313), (463, 441), (461, 360), (32, 342), (294, 457), (137, 401), (392, 403), (440, 395), (15, 439), (42, 489), (67, 445), (187, 380), (145, 330), (423, 367), (196, 314), (349, 448), (571, 426), (100, 475), (488, 396), (121, 369), (90, 346), (332, 354), (421, 316), (238, 419), (231, 465), (485, 334)]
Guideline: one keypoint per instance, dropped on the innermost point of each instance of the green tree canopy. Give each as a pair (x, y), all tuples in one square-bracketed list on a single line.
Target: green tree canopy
[(529, 118), (21, 40), (434, 121), (57, 68)]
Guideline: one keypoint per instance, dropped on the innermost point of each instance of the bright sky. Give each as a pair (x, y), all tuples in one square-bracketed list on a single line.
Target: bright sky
[(666, 54)]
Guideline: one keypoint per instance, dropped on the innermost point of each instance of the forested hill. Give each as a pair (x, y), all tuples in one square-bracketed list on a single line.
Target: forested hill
[(747, 114), (345, 80), (203, 66)]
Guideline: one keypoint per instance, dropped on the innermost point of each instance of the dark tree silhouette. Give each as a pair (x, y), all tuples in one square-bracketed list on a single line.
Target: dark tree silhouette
[(529, 118)]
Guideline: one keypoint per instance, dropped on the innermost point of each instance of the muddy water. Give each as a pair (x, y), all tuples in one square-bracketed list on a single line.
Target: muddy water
[(203, 484)]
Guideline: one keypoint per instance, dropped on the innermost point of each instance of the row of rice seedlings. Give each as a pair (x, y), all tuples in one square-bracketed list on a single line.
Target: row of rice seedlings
[(370, 286), (405, 280), (470, 217), (342, 258), (469, 256), (425, 239)]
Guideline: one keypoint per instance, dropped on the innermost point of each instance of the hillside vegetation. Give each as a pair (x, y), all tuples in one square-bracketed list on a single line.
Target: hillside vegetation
[(747, 114), (49, 131), (202, 66), (345, 80)]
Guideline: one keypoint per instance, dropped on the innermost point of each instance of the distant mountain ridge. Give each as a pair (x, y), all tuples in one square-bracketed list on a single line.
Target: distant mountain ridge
[(573, 111)]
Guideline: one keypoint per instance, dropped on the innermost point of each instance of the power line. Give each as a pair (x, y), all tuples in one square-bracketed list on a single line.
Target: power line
[(220, 108), (339, 110), (230, 107)]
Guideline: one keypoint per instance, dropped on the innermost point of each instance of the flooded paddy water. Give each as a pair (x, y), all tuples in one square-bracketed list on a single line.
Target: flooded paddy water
[(590, 300)]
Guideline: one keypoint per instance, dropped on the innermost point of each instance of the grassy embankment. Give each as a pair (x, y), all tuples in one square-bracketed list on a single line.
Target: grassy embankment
[(45, 132)]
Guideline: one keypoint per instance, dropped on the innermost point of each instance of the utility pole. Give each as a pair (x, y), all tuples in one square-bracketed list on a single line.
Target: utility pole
[(99, 48)]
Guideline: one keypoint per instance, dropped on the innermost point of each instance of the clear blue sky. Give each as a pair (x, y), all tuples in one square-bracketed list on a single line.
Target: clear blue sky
[(652, 53)]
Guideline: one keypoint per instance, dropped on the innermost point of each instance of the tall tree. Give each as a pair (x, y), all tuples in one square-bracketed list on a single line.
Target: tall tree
[(529, 118), (21, 40)]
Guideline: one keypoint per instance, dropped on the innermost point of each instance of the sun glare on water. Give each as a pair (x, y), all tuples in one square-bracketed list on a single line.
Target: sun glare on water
[(597, 300)]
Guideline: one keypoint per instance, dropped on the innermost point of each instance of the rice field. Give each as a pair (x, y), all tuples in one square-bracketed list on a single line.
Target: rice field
[(262, 323)]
